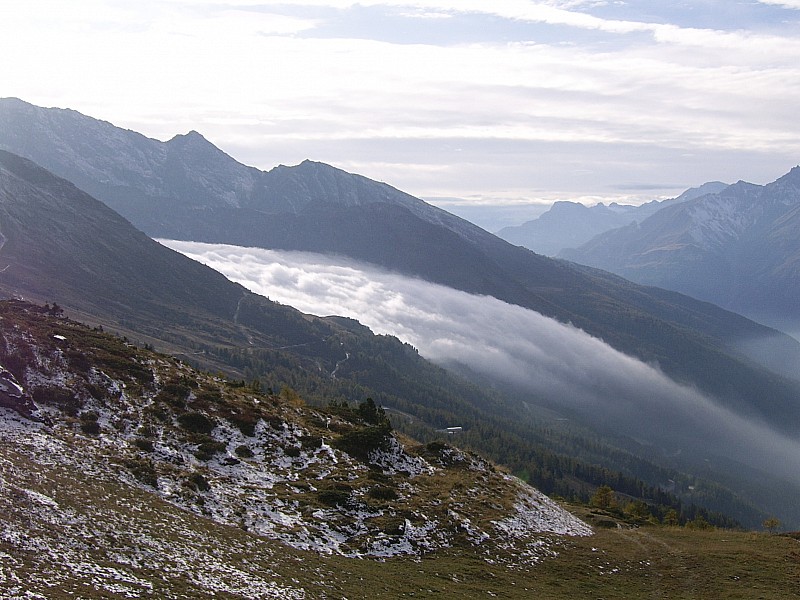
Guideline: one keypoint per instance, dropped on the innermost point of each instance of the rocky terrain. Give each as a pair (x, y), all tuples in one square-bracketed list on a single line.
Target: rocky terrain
[(121, 468)]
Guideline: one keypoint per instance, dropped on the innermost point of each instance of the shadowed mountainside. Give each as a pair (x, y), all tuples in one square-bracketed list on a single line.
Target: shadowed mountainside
[(63, 245)]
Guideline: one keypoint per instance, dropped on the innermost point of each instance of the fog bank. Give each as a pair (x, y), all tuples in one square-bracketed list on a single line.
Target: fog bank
[(558, 363)]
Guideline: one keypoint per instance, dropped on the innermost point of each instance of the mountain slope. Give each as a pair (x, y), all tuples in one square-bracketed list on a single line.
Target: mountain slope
[(139, 424), (110, 503), (571, 224), (738, 248), (187, 189)]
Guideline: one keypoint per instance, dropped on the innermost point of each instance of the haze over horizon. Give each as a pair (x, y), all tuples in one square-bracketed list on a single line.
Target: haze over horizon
[(481, 109)]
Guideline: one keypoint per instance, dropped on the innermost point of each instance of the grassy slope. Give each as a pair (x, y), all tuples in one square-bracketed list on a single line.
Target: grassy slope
[(179, 554)]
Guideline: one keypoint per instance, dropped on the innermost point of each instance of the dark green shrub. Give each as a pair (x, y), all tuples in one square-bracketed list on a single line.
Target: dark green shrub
[(78, 361), (90, 427), (360, 442), (275, 422), (144, 444), (310, 442), (245, 422), (196, 422), (206, 450), (436, 447), (157, 413), (376, 475), (292, 451), (207, 397), (89, 423), (244, 451), (198, 482), (143, 471), (58, 397), (372, 413), (164, 397), (337, 495), (176, 389), (381, 492)]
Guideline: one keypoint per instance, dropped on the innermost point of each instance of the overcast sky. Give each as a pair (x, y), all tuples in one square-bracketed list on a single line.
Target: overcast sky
[(496, 103)]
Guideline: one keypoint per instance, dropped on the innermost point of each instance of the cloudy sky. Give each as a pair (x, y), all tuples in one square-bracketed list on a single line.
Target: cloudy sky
[(493, 104)]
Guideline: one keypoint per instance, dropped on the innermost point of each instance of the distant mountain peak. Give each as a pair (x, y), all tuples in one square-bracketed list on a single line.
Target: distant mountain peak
[(192, 135), (735, 247), (792, 177)]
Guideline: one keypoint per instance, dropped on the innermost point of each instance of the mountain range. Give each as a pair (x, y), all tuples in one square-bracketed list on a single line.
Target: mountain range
[(61, 244), (188, 189), (738, 248), (571, 224)]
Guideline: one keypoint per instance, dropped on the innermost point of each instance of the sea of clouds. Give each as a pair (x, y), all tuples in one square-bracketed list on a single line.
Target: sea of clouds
[(555, 362)]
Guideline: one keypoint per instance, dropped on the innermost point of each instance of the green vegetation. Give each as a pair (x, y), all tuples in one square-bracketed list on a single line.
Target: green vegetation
[(556, 457), (629, 556)]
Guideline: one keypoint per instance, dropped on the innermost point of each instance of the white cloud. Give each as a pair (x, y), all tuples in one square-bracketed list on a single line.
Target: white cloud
[(556, 363), (260, 80), (793, 4)]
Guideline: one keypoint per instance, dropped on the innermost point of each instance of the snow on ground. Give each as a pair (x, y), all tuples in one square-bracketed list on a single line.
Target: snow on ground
[(88, 530), (535, 512), (394, 459), (271, 480)]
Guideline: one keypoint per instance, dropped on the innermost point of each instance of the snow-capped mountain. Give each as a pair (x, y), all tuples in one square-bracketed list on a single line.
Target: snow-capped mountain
[(738, 248), (571, 224)]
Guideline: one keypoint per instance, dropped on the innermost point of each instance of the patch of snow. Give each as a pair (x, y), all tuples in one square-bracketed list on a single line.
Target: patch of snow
[(395, 459), (536, 513)]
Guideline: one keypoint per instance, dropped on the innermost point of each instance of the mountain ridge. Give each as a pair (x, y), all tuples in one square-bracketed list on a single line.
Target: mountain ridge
[(735, 248), (570, 224), (126, 281)]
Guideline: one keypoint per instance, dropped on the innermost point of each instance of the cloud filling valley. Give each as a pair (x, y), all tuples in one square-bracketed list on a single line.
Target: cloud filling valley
[(559, 365)]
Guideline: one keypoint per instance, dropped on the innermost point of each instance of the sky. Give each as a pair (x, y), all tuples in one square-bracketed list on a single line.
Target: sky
[(551, 360), (492, 110)]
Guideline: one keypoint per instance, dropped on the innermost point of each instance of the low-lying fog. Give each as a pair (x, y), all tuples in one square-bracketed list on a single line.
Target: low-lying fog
[(556, 362)]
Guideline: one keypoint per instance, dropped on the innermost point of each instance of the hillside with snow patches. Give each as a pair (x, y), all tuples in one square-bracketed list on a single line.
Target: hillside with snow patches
[(117, 463)]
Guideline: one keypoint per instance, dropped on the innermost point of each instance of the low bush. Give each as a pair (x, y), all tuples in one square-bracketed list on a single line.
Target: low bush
[(358, 443), (196, 422), (144, 444), (382, 492), (206, 450), (197, 482), (244, 451)]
